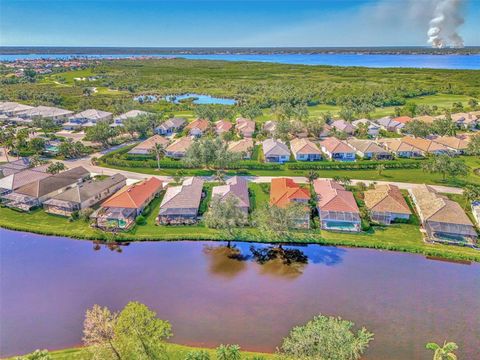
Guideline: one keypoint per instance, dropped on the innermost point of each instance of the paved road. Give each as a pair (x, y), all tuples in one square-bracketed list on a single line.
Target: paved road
[(134, 176)]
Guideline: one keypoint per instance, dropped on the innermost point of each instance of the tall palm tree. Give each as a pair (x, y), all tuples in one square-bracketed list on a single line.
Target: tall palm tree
[(444, 352), (312, 176), (159, 151), (6, 142)]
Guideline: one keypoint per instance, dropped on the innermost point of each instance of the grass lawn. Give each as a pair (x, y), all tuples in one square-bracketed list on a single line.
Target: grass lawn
[(175, 352)]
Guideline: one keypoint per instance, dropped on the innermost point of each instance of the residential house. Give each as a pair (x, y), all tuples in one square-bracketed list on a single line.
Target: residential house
[(275, 151), (284, 191), (15, 166), (343, 127), (245, 127), (427, 119), (10, 108), (270, 127), (337, 207), (305, 150), (368, 149), (37, 192), (223, 126), (456, 145), (400, 148), (403, 119), (198, 127), (326, 131), (132, 114), (426, 146), (236, 187), (145, 147), (388, 124), (443, 219), (178, 148), (180, 203), (337, 150), (373, 129), (16, 180), (170, 126), (120, 210), (466, 121), (386, 204), (87, 118), (244, 146), (85, 195), (46, 112)]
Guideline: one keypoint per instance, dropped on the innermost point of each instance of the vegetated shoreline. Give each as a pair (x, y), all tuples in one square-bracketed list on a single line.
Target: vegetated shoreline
[(435, 251), (381, 50)]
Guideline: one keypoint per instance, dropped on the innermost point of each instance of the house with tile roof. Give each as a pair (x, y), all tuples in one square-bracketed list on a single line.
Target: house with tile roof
[(35, 193), (223, 126), (244, 146), (343, 126), (456, 144), (386, 204), (16, 180), (275, 151), (170, 126), (336, 206), (245, 127), (15, 166), (119, 211), (85, 195), (178, 148), (132, 114), (400, 148), (369, 149), (236, 187), (427, 119), (285, 191), (403, 119), (46, 112), (87, 118), (305, 150), (270, 126), (198, 127), (468, 121), (388, 124), (337, 150), (443, 220), (181, 203), (10, 108), (146, 146), (426, 146)]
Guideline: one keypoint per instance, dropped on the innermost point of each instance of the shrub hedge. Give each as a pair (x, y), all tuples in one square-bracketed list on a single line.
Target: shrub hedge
[(391, 164)]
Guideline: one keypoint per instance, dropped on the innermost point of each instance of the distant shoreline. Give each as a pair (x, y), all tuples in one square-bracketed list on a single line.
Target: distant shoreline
[(407, 50)]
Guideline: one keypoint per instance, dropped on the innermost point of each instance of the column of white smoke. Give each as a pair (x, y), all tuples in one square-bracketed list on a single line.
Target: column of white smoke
[(443, 27)]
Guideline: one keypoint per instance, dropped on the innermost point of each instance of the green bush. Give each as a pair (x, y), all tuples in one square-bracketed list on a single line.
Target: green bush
[(140, 220), (146, 211), (360, 165)]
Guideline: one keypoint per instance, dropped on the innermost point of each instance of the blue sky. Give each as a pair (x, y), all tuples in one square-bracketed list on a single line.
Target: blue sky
[(223, 23)]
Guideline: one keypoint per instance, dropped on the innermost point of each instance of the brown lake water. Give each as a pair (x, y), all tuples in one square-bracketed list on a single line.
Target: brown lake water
[(249, 294)]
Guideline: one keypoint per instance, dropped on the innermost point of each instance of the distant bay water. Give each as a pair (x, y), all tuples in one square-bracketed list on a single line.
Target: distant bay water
[(471, 62)]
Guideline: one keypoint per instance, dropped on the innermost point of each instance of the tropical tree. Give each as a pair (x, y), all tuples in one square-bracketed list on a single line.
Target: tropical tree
[(45, 124), (474, 146), (380, 168), (473, 103), (70, 149), (99, 333), (140, 334), (277, 222), (208, 152), (225, 214), (312, 175), (417, 128), (178, 176), (445, 352), (102, 133), (446, 166), (220, 176), (444, 126), (325, 338), (36, 355), (228, 352), (6, 142), (37, 145), (56, 167), (471, 192), (198, 355), (159, 151)]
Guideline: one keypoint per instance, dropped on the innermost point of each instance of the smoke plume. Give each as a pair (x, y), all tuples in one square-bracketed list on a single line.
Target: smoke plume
[(447, 18)]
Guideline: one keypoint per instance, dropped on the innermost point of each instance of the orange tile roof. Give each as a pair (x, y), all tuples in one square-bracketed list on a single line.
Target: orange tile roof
[(200, 124), (403, 119), (284, 190), (135, 195)]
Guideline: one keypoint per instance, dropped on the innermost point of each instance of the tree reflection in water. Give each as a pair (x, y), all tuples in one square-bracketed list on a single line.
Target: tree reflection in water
[(112, 246), (226, 261), (278, 261)]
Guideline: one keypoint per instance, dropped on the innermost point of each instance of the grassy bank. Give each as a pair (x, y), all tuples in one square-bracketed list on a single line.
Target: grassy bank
[(398, 237), (175, 352)]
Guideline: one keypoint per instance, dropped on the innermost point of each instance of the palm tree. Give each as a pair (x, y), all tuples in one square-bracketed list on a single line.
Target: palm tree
[(220, 176), (6, 142), (444, 352), (471, 193), (159, 151), (380, 168), (312, 176)]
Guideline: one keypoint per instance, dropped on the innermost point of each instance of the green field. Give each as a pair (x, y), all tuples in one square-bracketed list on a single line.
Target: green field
[(175, 352)]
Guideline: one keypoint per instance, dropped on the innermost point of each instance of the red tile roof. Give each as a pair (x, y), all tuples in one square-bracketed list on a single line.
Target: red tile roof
[(284, 190), (333, 197), (134, 196), (200, 124)]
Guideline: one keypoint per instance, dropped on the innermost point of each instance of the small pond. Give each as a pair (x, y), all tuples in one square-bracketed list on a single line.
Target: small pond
[(200, 99)]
